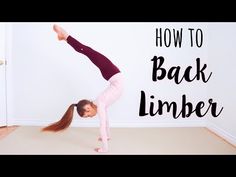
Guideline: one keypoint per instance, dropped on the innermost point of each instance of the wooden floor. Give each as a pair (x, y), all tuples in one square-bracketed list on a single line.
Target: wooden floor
[(30, 140), (6, 130)]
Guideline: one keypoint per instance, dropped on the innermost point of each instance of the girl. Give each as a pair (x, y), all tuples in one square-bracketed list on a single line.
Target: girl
[(86, 108)]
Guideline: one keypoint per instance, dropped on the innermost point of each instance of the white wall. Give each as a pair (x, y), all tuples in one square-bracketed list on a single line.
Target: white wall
[(45, 76), (3, 120), (222, 55)]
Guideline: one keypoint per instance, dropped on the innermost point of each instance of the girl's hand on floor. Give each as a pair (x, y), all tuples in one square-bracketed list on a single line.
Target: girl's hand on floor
[(101, 150)]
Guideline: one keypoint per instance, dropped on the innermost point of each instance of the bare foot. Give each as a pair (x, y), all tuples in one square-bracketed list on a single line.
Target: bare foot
[(101, 150), (100, 139), (61, 33)]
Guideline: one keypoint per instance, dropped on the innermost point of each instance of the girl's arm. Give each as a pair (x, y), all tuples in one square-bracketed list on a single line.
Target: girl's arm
[(103, 129)]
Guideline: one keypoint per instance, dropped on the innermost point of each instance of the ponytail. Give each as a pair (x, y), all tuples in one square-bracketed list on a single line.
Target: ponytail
[(64, 122)]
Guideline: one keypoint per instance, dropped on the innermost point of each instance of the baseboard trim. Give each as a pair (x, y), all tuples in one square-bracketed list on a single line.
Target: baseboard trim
[(222, 133), (88, 123)]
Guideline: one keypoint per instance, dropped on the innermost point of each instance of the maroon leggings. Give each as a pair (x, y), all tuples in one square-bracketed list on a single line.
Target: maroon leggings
[(107, 68)]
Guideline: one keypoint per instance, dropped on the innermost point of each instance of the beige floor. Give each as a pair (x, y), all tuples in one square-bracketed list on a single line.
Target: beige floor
[(30, 140)]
